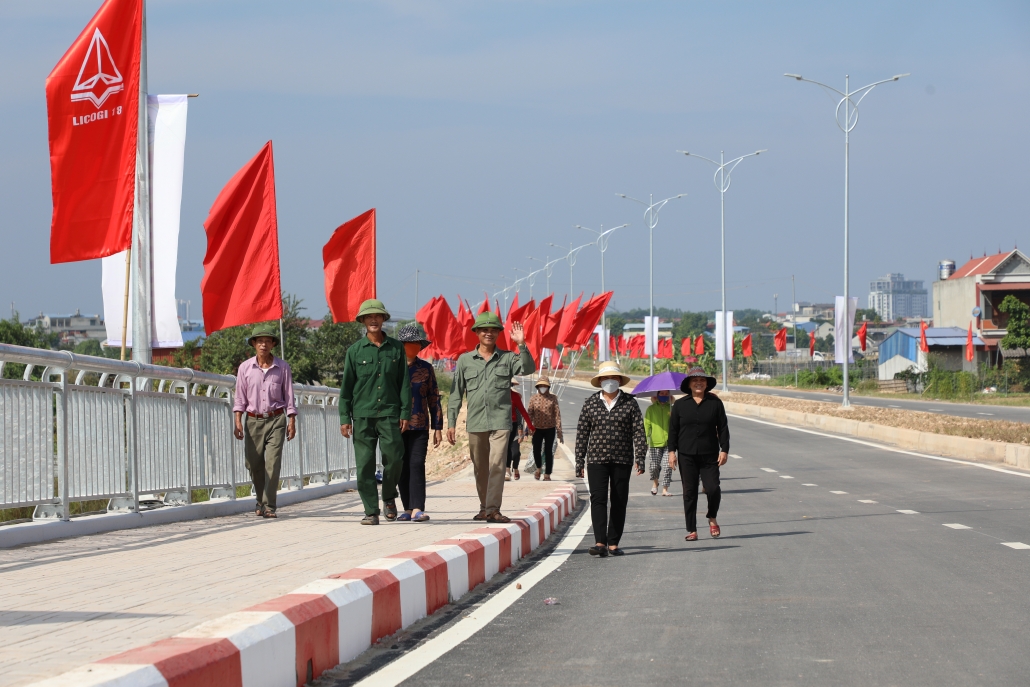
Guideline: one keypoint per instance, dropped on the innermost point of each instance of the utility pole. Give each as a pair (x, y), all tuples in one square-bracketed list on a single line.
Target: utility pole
[(794, 322)]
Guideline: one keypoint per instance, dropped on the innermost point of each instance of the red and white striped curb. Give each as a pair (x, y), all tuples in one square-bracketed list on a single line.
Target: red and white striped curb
[(293, 639)]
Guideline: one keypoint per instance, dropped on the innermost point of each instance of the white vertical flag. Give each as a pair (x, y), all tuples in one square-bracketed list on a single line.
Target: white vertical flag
[(651, 335), (724, 335), (602, 343), (842, 330), (166, 121)]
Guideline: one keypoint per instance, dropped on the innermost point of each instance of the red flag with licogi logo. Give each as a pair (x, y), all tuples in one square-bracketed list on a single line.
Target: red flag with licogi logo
[(92, 98)]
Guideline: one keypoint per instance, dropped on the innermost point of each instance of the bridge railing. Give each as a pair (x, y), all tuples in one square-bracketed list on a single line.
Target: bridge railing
[(78, 428)]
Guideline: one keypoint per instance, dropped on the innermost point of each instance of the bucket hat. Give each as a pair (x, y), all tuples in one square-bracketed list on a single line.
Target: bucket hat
[(487, 319), (609, 368), (413, 333), (696, 371), (264, 329), (373, 306), (543, 381)]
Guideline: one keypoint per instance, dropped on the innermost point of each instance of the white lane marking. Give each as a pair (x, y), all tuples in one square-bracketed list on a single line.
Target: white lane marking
[(909, 512), (936, 410), (786, 477), (985, 413), (882, 447), (1015, 545), (810, 485), (893, 406), (838, 492), (734, 455), (956, 526), (407, 665), (865, 501), (769, 470)]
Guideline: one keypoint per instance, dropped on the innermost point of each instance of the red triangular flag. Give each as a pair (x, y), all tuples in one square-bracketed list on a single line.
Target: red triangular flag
[(349, 260), (970, 349), (484, 306), (780, 340), (552, 327), (465, 320), (745, 346), (241, 268), (699, 345), (568, 319), (863, 331), (92, 98), (531, 327), (587, 319)]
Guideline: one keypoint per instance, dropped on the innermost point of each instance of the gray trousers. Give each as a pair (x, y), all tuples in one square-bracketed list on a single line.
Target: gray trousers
[(263, 443)]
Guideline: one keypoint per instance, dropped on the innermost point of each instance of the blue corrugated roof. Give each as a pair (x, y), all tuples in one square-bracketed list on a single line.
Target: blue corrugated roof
[(905, 341)]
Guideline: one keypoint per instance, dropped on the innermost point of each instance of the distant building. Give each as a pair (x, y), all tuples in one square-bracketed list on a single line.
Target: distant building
[(900, 351), (71, 328), (893, 298), (814, 311), (974, 291)]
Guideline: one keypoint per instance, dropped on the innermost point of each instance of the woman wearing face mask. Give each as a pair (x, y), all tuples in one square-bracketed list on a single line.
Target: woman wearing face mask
[(609, 439), (426, 414), (656, 427), (546, 417), (699, 441)]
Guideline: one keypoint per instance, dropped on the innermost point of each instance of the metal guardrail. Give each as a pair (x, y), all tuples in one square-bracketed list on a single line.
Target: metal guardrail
[(92, 428)]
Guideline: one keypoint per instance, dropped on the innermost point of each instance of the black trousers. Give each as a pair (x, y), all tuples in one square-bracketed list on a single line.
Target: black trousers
[(608, 478), (543, 449), (412, 484), (707, 466), (514, 448)]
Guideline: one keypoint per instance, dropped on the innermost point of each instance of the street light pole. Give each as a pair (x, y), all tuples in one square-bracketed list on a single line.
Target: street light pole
[(651, 216), (571, 259), (603, 237), (850, 120), (723, 179)]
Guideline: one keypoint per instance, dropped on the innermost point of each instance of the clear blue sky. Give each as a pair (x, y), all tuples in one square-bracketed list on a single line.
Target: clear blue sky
[(483, 131)]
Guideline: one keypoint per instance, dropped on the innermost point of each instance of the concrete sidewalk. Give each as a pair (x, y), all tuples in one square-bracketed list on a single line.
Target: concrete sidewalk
[(74, 601)]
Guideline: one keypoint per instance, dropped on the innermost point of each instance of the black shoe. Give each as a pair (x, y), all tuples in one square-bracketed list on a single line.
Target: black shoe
[(370, 520), (601, 551), (616, 552)]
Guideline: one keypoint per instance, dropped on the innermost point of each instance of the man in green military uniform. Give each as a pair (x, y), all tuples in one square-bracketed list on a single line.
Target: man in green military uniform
[(484, 376), (375, 406)]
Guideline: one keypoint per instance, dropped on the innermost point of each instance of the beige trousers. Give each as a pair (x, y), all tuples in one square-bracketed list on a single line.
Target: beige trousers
[(489, 451)]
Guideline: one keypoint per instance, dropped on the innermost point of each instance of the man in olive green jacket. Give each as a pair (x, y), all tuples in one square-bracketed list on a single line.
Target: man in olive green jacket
[(375, 406), (484, 375)]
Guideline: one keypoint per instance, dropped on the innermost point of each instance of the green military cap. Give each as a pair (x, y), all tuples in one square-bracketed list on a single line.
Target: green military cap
[(372, 306), (265, 329), (487, 319)]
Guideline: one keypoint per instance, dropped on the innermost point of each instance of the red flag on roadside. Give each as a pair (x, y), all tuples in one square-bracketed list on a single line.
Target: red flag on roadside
[(667, 349), (699, 345), (685, 348), (923, 346), (588, 317), (531, 327), (484, 306), (550, 328), (568, 318), (863, 332), (349, 261), (516, 313), (241, 267), (970, 349), (465, 320), (422, 317), (811, 344), (745, 347), (780, 340), (92, 97)]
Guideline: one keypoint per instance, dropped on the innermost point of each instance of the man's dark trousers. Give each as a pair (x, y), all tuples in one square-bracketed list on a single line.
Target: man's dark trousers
[(385, 431), (263, 448)]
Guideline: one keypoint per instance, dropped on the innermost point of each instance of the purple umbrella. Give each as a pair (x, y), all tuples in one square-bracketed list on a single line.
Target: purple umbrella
[(663, 381)]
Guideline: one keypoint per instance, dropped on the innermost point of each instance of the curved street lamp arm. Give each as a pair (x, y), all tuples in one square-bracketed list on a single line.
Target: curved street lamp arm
[(706, 159)]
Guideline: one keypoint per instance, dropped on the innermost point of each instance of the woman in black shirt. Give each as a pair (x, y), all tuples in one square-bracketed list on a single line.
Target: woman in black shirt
[(699, 440)]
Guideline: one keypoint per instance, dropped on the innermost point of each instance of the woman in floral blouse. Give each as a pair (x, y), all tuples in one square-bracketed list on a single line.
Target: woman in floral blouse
[(609, 439), (426, 414)]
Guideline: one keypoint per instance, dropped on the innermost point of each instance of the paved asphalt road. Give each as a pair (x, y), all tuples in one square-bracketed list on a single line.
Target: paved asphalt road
[(818, 579), (983, 412)]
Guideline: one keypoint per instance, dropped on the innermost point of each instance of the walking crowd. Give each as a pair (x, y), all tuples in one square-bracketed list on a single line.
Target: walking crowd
[(390, 401)]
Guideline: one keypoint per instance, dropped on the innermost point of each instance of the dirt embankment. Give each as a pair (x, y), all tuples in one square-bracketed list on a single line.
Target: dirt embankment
[(987, 430), (445, 460)]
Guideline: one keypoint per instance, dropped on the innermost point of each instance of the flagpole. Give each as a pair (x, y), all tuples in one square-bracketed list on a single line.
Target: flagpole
[(125, 304), (142, 273), (282, 339)]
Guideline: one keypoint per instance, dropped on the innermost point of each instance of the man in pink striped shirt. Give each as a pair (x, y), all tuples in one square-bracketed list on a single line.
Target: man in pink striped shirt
[(264, 391)]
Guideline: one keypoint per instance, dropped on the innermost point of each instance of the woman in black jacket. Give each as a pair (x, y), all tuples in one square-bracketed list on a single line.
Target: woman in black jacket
[(699, 440)]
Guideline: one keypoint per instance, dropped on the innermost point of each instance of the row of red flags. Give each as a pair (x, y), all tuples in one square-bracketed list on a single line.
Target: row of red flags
[(569, 325)]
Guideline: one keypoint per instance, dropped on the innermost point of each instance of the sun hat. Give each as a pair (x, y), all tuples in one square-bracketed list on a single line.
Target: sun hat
[(487, 319), (543, 381), (413, 333), (609, 368), (264, 329), (373, 306), (696, 371)]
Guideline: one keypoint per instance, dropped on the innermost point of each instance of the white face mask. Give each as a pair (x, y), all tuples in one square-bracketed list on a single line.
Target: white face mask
[(610, 386), (541, 389)]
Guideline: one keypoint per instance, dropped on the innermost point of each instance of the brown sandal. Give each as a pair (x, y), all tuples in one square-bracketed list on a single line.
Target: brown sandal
[(270, 514), (481, 516), (497, 517)]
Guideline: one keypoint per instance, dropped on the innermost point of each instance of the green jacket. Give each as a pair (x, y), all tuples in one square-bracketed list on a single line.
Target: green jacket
[(656, 424), (375, 381), (487, 383)]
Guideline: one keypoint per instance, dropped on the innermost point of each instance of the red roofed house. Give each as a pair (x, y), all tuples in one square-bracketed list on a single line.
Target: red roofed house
[(974, 292)]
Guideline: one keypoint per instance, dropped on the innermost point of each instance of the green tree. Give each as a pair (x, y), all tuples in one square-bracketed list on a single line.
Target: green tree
[(328, 345), (691, 324), (867, 315), (1017, 328), (224, 350), (616, 324), (13, 332)]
